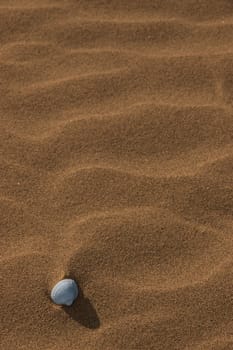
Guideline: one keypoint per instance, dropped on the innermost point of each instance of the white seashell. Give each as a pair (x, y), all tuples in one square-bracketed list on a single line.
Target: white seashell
[(64, 292)]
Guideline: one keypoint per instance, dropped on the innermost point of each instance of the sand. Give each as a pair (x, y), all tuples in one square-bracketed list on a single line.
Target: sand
[(116, 135)]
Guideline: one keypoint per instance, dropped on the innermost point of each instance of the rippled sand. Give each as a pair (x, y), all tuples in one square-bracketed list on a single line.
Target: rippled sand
[(116, 122)]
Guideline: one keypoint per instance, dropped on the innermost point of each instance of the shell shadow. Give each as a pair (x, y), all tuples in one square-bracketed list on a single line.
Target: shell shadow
[(83, 312)]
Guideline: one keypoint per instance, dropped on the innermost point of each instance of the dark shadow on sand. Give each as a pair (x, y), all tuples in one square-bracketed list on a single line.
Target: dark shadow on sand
[(83, 312)]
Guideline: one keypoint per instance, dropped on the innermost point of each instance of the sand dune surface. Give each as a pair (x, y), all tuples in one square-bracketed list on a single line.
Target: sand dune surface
[(116, 154)]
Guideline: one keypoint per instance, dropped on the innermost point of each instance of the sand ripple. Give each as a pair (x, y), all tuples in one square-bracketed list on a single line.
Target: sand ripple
[(116, 169)]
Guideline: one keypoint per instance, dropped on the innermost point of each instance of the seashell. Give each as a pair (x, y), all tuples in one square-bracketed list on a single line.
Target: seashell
[(64, 292)]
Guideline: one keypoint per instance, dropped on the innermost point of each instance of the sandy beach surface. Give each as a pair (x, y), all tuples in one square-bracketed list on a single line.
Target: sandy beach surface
[(116, 163)]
